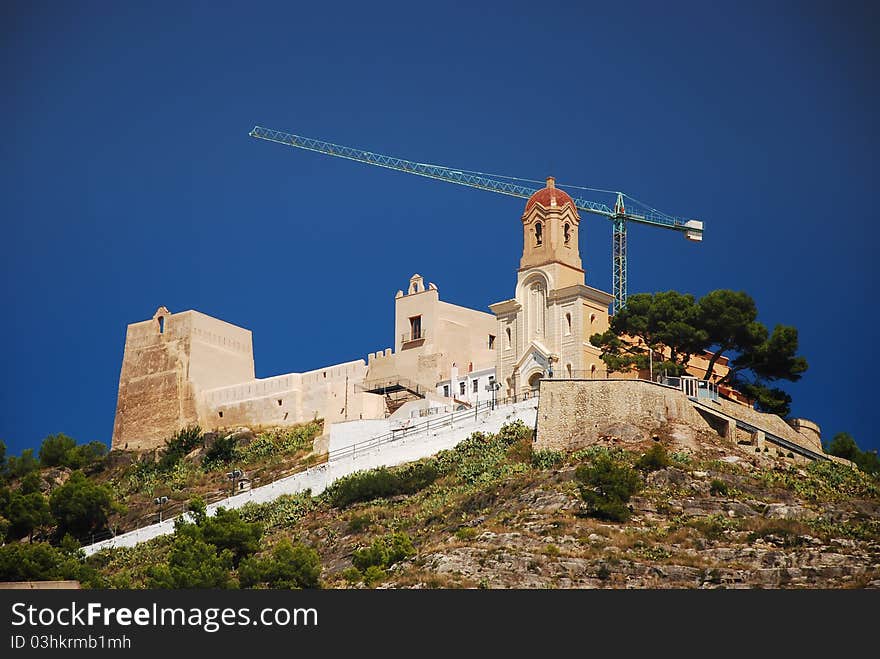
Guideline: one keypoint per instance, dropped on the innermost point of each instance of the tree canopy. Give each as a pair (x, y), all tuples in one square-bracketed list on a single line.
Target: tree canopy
[(843, 445), (722, 323), (80, 505)]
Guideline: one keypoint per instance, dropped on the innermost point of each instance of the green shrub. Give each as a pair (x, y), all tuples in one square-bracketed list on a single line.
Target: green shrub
[(466, 533), (513, 432), (547, 459), (178, 446), (280, 441), (824, 481), (653, 459), (16, 467), (39, 561), (222, 452), (606, 487), (381, 483), (80, 506), (192, 563), (718, 488), (358, 523), (384, 552), (482, 458), (713, 526), (54, 450), (290, 566), (62, 451), (226, 530), (373, 574), (352, 575), (285, 511)]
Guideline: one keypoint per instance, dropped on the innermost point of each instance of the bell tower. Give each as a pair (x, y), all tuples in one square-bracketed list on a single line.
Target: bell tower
[(550, 235), (545, 328)]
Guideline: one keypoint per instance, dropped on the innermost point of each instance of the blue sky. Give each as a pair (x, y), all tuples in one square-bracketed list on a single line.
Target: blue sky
[(128, 179)]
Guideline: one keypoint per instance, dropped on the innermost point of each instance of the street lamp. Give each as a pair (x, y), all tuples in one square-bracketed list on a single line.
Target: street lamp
[(493, 386), (160, 501), (234, 475)]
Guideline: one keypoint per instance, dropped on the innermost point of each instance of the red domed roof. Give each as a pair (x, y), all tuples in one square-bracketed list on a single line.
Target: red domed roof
[(549, 197)]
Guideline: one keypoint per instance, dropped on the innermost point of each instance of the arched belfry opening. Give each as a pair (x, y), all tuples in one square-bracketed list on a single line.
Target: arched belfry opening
[(161, 319)]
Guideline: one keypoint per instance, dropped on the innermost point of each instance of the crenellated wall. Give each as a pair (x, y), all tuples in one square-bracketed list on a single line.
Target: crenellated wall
[(184, 368)]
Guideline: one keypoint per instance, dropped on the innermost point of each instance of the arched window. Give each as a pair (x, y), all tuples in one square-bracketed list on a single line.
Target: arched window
[(539, 231), (566, 232), (161, 320), (592, 370), (568, 323), (507, 336), (568, 369), (537, 305)]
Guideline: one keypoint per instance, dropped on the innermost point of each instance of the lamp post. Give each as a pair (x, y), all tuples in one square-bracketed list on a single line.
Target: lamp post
[(493, 387), (234, 475), (160, 501)]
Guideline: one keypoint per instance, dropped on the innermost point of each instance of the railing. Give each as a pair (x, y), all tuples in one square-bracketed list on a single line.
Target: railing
[(391, 385), (406, 432), (435, 423), (693, 387), (576, 374), (409, 337), (768, 436)]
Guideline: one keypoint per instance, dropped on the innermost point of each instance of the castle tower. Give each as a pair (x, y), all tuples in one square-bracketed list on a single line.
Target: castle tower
[(168, 360), (545, 328)]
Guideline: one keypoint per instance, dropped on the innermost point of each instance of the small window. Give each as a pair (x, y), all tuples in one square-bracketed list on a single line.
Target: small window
[(221, 415), (566, 232), (539, 231), (461, 388), (568, 369), (415, 328), (476, 386), (507, 335), (491, 342), (161, 324), (279, 401), (446, 390), (568, 323), (592, 318)]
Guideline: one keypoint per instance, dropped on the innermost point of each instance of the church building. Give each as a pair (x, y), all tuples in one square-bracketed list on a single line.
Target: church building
[(545, 328)]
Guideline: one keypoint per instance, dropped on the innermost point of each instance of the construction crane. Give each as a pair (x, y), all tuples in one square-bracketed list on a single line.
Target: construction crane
[(618, 213)]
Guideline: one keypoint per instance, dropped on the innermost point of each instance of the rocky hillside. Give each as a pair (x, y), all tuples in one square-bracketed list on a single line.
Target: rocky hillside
[(492, 513)]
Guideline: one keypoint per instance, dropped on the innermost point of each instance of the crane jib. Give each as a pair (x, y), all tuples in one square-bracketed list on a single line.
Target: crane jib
[(692, 229)]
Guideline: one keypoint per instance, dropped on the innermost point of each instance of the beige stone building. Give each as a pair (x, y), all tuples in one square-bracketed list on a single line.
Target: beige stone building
[(433, 340), (547, 324), (188, 367), (184, 368)]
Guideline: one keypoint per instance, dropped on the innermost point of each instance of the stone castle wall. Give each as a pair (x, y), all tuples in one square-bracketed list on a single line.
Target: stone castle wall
[(185, 368), (573, 414)]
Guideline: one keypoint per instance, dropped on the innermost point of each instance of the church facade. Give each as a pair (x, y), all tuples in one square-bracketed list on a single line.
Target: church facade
[(545, 328)]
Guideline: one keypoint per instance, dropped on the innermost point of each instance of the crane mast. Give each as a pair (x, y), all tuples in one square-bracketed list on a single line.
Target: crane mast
[(619, 216)]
